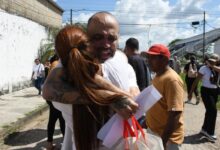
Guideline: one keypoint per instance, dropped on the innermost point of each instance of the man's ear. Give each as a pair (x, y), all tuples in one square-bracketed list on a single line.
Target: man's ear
[(165, 60)]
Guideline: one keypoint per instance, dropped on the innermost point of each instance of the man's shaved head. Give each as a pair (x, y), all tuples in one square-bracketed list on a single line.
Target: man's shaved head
[(103, 32), (103, 20)]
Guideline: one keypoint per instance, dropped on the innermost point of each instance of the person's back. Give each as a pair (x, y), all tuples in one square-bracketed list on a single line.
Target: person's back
[(141, 69), (138, 63), (119, 72)]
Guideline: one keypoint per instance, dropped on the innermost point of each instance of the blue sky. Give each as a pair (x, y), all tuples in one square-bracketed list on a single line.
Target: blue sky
[(150, 21)]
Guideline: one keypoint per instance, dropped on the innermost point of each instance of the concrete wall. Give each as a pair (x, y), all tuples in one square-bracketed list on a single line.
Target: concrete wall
[(44, 12), (19, 41)]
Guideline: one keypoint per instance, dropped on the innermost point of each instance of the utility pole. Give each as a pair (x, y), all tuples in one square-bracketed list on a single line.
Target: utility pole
[(71, 16), (203, 52), (149, 41)]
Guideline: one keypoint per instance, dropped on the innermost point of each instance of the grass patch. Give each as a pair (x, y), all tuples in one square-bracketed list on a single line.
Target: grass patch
[(182, 75)]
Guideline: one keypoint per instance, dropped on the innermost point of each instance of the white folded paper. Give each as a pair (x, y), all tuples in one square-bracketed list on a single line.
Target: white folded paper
[(112, 131)]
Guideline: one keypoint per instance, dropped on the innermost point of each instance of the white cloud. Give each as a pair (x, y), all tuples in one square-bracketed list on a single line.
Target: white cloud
[(156, 20), (160, 14), (82, 17), (217, 22)]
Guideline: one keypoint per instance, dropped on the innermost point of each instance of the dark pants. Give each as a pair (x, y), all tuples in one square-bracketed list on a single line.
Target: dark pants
[(189, 83), (37, 83), (54, 114), (209, 97)]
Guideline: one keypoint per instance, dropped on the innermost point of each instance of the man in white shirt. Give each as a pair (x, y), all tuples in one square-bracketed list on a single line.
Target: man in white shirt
[(103, 31), (38, 75)]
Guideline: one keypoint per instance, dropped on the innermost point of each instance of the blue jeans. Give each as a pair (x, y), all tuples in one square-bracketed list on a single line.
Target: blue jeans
[(37, 83)]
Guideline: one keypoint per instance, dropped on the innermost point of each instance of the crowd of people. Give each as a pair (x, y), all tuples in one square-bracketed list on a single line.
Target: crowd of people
[(92, 80)]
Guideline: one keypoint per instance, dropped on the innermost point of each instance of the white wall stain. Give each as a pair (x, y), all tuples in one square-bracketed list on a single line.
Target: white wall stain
[(19, 43)]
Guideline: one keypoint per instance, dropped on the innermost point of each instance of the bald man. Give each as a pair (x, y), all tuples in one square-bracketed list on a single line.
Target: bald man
[(103, 32)]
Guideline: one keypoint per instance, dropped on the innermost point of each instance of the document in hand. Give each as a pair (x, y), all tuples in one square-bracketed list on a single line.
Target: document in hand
[(112, 131)]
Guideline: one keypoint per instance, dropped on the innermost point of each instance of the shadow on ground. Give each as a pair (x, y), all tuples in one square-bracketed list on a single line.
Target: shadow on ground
[(20, 138), (195, 139), (28, 95), (42, 145)]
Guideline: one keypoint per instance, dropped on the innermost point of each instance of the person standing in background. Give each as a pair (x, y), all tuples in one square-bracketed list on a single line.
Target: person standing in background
[(46, 68), (38, 75), (176, 65), (165, 118), (209, 74), (191, 71), (54, 114), (138, 63)]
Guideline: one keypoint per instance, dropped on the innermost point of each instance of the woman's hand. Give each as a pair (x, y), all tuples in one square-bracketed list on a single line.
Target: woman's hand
[(125, 107)]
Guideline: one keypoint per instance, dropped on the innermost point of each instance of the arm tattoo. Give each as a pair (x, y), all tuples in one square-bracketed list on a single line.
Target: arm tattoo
[(63, 92), (121, 104)]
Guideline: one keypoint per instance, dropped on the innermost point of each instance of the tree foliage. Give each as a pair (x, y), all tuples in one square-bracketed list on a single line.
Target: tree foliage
[(47, 49)]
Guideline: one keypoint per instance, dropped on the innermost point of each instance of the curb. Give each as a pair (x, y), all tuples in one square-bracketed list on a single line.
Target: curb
[(17, 125)]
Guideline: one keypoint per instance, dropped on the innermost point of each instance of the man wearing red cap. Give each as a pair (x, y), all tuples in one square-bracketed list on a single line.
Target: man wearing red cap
[(165, 118)]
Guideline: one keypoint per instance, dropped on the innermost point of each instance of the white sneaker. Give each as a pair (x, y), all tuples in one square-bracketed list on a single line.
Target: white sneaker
[(214, 137)]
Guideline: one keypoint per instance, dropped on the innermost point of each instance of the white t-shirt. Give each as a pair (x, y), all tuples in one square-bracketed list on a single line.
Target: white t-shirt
[(206, 72), (37, 69), (119, 71)]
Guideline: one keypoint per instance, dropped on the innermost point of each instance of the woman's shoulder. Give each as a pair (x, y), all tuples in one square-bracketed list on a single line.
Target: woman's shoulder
[(57, 73)]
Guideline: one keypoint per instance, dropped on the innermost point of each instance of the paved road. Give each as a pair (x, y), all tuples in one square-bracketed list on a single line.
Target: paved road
[(33, 136), (194, 115)]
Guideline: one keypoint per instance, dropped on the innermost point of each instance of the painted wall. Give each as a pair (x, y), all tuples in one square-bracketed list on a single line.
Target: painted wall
[(19, 43)]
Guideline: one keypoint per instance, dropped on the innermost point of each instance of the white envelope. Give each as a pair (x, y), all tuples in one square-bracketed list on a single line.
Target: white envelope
[(112, 131)]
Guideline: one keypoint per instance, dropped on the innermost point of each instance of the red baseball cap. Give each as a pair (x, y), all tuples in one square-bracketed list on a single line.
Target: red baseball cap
[(159, 49)]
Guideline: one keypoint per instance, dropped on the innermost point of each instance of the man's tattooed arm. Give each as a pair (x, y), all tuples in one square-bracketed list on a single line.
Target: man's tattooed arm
[(57, 89), (125, 107)]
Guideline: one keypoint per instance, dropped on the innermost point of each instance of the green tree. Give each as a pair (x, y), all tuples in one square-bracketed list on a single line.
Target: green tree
[(172, 43), (81, 25), (47, 49), (47, 45)]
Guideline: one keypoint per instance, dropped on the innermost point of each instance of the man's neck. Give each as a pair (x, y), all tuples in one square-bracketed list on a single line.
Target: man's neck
[(162, 71), (133, 53)]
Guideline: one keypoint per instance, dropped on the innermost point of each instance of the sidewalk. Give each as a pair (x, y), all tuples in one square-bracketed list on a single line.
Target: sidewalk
[(18, 108)]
